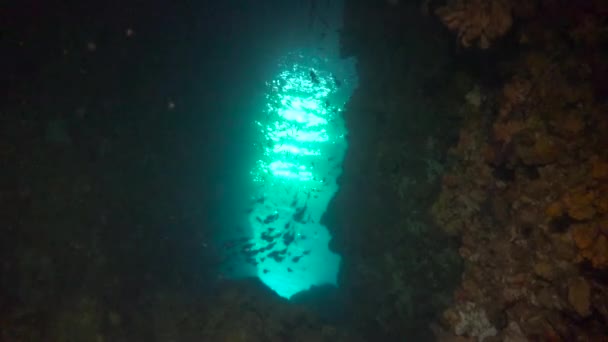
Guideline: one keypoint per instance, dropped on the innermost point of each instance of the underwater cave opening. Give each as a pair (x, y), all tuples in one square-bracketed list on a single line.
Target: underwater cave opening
[(296, 153), (300, 146)]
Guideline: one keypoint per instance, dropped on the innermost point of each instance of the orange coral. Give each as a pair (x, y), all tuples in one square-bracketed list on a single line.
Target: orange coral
[(554, 210), (592, 241), (584, 234), (483, 20), (597, 253), (579, 204)]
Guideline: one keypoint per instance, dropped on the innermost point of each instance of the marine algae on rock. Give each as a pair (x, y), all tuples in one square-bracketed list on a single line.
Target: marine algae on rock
[(541, 228), (477, 20)]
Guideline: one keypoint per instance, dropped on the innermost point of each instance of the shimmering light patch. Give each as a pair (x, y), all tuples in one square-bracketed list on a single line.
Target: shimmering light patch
[(295, 150), (301, 148)]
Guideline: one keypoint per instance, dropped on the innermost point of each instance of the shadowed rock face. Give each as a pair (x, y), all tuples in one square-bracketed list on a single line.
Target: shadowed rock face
[(327, 302), (244, 310), (249, 311)]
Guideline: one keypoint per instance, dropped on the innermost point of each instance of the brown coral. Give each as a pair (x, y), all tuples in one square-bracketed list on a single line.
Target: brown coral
[(514, 94), (599, 169), (601, 201), (579, 296), (477, 20), (504, 131), (545, 150), (603, 225), (588, 31), (570, 126)]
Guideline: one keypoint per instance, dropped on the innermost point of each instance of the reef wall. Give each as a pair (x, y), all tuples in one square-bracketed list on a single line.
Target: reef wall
[(527, 190)]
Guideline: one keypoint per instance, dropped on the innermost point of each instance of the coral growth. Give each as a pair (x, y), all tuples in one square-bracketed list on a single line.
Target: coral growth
[(470, 320), (514, 94), (477, 20), (527, 192)]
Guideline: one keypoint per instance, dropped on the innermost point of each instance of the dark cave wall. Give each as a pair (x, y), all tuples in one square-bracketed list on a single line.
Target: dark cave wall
[(109, 149), (114, 134), (398, 268)]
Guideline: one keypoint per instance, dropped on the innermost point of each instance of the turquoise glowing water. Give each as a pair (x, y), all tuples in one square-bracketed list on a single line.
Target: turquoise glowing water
[(300, 158), (297, 152)]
